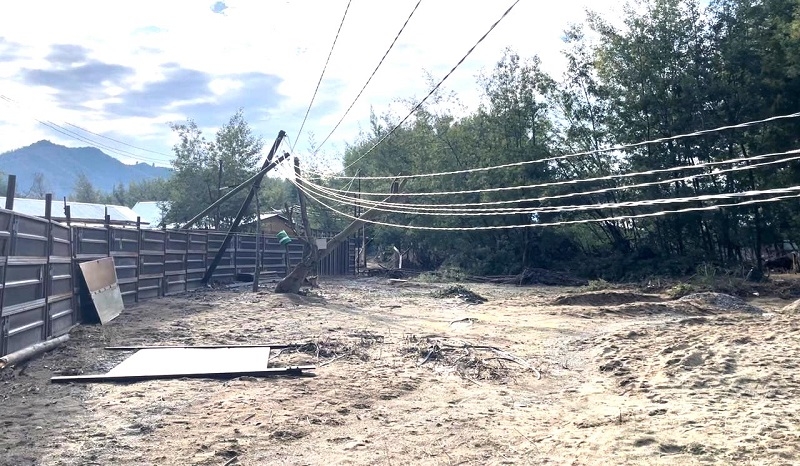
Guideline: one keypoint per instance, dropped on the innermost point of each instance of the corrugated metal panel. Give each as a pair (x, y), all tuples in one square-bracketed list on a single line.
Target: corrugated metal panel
[(175, 261), (38, 261), (226, 269), (124, 246), (195, 260), (151, 264)]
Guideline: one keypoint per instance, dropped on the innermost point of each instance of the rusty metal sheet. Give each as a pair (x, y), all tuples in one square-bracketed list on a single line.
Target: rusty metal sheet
[(100, 277)]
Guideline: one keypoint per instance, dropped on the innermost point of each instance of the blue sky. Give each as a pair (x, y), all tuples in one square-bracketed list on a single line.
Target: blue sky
[(127, 69)]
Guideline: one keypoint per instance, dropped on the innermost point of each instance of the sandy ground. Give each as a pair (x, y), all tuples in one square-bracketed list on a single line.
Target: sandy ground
[(597, 381)]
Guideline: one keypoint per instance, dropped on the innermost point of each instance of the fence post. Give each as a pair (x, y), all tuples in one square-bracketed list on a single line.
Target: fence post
[(11, 189), (47, 276)]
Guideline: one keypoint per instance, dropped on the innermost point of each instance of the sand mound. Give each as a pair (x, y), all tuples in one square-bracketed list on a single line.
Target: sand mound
[(606, 298), (647, 309), (793, 308), (720, 302)]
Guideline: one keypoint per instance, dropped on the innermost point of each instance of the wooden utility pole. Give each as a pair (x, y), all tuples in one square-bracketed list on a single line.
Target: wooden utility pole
[(293, 281), (219, 194), (302, 198), (268, 164), (260, 174)]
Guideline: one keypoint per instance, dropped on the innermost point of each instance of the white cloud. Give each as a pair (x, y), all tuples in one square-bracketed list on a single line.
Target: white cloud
[(290, 39)]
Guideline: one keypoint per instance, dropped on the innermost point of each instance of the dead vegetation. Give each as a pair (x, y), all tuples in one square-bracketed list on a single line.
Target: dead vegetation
[(473, 362), (462, 292)]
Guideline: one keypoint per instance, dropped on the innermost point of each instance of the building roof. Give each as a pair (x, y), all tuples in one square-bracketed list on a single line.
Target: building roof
[(150, 212), (80, 211)]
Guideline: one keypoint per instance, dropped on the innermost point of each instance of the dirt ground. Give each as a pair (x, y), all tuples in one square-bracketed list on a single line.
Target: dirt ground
[(419, 375)]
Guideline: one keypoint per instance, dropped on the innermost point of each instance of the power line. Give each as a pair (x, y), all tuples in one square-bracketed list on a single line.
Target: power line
[(549, 209), (370, 77), (71, 134), (416, 107), (563, 157), (322, 74), (583, 207), (120, 142), (584, 180), (574, 222)]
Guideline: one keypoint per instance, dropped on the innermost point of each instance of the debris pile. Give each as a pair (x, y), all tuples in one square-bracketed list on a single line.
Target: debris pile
[(460, 291), (470, 361)]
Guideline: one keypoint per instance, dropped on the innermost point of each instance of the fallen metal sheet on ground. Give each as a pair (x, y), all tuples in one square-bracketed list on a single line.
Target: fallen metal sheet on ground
[(189, 361), (101, 280), (170, 363), (136, 348)]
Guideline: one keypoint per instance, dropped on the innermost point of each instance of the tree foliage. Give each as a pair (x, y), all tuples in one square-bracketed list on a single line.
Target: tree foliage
[(672, 67), (206, 169)]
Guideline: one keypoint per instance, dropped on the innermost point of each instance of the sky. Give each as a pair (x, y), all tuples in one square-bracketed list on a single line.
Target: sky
[(124, 70)]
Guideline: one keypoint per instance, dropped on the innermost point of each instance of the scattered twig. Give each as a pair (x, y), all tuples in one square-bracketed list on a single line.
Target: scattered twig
[(231, 461), (330, 361), (471, 320)]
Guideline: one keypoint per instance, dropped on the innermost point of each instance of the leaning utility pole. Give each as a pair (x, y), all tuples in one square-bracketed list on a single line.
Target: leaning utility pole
[(268, 164), (292, 282)]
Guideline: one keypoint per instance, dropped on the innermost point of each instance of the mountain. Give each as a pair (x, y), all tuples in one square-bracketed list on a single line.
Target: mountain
[(61, 166)]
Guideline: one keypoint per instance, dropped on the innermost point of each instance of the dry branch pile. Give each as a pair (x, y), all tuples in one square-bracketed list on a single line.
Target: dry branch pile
[(460, 291), (470, 361)]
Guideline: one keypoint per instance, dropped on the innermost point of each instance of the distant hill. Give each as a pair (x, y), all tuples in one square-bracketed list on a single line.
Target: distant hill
[(61, 166)]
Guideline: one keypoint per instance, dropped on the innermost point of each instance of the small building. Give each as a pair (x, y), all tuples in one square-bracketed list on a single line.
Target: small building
[(80, 212), (272, 223)]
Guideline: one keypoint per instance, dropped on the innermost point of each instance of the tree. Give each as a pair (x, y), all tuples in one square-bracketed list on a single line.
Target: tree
[(204, 170), (39, 187), (84, 190)]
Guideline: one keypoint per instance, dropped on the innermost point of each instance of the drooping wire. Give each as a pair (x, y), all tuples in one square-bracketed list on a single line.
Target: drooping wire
[(536, 210), (566, 156), (587, 180), (578, 221), (325, 67), (73, 135), (370, 77), (432, 91)]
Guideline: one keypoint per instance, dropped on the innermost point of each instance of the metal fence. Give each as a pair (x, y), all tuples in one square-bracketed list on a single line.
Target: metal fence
[(37, 301), (40, 295), (153, 263)]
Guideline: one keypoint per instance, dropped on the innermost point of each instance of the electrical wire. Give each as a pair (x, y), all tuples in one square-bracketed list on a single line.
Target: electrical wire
[(425, 209), (325, 67), (370, 77), (435, 88), (566, 156), (569, 222), (73, 135), (570, 208), (584, 180), (118, 141)]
